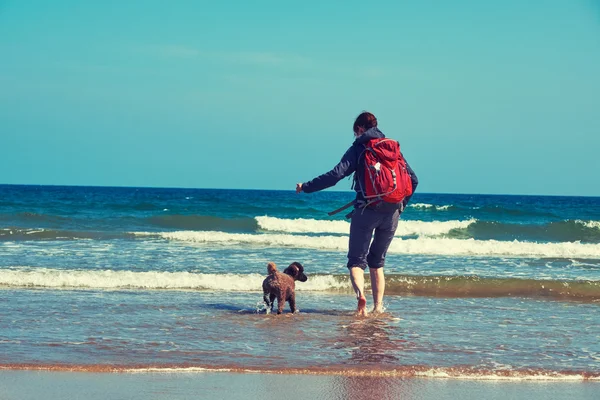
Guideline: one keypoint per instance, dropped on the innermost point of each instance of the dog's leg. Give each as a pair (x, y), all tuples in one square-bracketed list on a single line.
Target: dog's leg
[(272, 298), (266, 299), (292, 301), (280, 303)]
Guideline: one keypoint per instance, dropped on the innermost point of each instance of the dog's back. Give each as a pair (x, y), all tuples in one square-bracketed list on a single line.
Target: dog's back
[(277, 282)]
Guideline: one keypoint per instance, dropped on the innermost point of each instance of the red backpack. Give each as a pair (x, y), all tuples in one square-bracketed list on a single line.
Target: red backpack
[(386, 177)]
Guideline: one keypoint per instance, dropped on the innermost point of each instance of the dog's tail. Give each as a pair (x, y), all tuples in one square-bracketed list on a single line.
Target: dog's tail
[(271, 268)]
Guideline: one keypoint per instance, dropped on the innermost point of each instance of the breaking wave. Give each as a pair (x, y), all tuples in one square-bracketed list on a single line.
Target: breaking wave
[(152, 280), (396, 284), (586, 231), (431, 246), (405, 228)]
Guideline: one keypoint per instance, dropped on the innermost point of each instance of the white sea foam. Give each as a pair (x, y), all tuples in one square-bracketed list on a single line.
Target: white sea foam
[(109, 279), (434, 228), (301, 225), (433, 246), (405, 228), (428, 206), (467, 247), (589, 224), (446, 373), (436, 373), (443, 373)]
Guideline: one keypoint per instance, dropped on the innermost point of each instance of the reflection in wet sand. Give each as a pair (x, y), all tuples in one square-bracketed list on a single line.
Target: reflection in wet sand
[(369, 341)]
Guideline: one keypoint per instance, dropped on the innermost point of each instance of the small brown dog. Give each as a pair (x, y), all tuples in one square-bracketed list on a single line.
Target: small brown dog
[(282, 286)]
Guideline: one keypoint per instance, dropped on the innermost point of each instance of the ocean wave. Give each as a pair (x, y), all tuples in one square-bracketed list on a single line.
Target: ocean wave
[(204, 222), (558, 231), (432, 246), (23, 234), (405, 228), (152, 280), (29, 217), (267, 224), (490, 209), (474, 286), (524, 212), (396, 284)]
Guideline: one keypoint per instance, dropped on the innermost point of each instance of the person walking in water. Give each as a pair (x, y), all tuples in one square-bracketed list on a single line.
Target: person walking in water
[(375, 216)]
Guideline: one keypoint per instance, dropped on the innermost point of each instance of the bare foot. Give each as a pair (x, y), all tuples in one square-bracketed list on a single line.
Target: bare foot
[(362, 306), (378, 309)]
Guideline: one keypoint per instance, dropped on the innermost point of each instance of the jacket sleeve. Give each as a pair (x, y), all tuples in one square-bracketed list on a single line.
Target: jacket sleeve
[(415, 182), (344, 168)]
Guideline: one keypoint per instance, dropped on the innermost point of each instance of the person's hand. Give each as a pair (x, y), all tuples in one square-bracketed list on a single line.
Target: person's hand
[(298, 187)]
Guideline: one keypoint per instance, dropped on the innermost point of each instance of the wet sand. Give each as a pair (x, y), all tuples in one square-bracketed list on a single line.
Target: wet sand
[(49, 385)]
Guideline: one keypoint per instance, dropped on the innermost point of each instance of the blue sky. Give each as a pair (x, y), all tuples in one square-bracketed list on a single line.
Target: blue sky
[(484, 97)]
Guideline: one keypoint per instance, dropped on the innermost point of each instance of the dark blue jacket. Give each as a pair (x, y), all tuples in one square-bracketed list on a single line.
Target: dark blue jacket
[(348, 165)]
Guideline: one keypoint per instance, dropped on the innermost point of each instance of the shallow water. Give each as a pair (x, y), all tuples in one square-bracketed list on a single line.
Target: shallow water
[(176, 329)]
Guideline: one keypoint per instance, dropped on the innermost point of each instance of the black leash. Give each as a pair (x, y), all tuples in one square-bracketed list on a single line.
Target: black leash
[(341, 208)]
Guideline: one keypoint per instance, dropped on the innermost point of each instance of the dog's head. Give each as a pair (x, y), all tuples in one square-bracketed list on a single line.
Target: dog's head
[(296, 271)]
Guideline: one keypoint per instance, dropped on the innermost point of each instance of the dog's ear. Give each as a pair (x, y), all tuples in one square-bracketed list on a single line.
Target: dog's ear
[(298, 265), (292, 270), (296, 271), (299, 271)]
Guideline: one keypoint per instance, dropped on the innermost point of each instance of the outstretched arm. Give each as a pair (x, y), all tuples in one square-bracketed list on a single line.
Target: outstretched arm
[(344, 168)]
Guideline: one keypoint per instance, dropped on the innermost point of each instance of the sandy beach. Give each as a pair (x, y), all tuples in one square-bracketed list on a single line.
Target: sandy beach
[(24, 385)]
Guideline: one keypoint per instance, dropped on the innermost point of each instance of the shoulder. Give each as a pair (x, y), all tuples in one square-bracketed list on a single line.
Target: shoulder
[(349, 155), (356, 149)]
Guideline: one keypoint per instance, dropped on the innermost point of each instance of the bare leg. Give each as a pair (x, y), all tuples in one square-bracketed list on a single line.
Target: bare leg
[(357, 277), (378, 287)]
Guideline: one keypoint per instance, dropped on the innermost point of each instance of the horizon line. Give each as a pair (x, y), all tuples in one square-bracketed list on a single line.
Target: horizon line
[(282, 190)]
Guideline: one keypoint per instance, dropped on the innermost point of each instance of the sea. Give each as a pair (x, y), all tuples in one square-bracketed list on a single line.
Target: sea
[(124, 279)]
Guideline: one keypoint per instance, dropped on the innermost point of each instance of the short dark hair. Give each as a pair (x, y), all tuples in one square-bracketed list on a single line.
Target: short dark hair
[(365, 120)]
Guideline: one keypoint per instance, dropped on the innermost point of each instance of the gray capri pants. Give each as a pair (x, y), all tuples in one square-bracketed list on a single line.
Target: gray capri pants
[(363, 253)]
